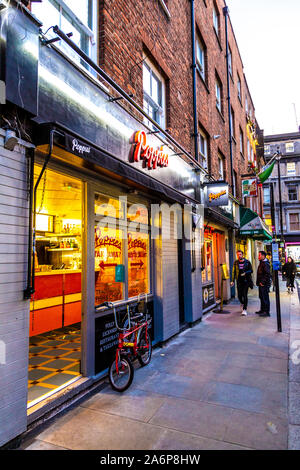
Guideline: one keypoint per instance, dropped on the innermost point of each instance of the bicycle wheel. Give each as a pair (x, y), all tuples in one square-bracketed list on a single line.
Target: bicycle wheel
[(144, 348), (122, 379)]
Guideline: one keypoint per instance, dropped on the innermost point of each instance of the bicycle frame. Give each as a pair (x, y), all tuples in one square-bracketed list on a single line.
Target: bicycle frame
[(136, 330)]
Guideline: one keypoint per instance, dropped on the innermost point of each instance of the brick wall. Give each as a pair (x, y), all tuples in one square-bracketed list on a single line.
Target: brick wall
[(129, 29)]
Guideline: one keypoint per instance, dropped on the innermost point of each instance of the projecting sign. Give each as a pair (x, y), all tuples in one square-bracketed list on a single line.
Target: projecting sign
[(249, 187), (216, 194)]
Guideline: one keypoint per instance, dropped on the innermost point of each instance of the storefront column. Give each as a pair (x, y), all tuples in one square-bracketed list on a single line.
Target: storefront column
[(88, 284)]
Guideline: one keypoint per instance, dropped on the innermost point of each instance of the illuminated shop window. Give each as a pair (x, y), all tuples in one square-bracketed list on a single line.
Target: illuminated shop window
[(138, 253), (109, 253), (207, 261), (122, 249), (108, 206)]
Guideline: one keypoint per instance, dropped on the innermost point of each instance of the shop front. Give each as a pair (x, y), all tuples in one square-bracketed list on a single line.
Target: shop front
[(219, 224), (103, 205), (108, 196)]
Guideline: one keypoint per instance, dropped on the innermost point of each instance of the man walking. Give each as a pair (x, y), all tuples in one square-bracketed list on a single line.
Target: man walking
[(241, 272), (263, 281)]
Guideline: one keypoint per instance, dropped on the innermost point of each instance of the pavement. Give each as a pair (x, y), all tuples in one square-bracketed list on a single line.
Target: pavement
[(228, 383)]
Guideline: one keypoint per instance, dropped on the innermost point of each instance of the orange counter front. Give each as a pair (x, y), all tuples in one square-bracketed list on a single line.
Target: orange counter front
[(56, 301)]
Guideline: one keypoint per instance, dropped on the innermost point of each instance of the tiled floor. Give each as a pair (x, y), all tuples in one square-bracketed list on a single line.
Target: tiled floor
[(54, 360)]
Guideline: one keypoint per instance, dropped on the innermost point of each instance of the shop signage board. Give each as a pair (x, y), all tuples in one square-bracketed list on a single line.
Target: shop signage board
[(153, 157), (249, 187), (208, 296), (216, 194), (106, 337)]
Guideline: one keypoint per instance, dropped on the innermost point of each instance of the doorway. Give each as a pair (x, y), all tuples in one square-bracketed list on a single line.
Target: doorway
[(219, 258), (55, 307)]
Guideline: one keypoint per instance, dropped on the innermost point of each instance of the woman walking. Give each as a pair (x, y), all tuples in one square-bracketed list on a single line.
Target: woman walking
[(289, 271)]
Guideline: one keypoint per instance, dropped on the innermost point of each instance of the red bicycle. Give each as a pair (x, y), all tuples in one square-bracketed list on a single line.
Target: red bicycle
[(134, 342)]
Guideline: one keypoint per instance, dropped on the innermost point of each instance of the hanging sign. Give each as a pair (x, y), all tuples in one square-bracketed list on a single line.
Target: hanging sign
[(151, 156), (249, 187), (216, 194)]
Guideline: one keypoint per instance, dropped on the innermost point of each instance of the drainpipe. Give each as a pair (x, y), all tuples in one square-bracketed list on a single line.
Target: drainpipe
[(195, 114), (226, 12), (194, 66), (27, 291), (32, 219)]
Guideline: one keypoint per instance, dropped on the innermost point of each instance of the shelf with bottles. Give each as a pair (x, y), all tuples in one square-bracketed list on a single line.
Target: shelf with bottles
[(60, 235), (63, 249)]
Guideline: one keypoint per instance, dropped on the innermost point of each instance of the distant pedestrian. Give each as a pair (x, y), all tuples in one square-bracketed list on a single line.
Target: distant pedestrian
[(289, 270), (241, 273), (263, 281)]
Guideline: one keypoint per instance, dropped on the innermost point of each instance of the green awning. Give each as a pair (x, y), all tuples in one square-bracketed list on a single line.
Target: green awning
[(252, 226)]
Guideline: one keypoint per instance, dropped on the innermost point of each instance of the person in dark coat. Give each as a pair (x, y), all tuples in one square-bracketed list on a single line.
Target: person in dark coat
[(289, 270), (263, 281), (241, 272)]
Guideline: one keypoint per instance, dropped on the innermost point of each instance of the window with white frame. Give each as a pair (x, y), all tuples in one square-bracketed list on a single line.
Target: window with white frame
[(241, 142), (78, 18), (293, 192), (154, 94), (200, 54), (246, 105), (289, 147), (267, 195), (291, 169), (267, 149), (216, 20), (239, 87), (248, 149), (235, 183), (230, 61), (294, 221), (203, 149), (218, 94), (221, 167), (232, 122)]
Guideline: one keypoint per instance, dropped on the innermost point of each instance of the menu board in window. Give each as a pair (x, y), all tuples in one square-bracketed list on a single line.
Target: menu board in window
[(138, 253), (108, 255)]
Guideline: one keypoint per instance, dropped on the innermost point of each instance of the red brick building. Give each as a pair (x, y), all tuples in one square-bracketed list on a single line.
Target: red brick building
[(73, 113)]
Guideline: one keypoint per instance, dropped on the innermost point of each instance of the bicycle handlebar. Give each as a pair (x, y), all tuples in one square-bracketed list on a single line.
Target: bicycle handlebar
[(111, 305)]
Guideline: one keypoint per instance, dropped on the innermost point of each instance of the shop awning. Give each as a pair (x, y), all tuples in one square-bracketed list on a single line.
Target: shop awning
[(252, 226), (69, 143)]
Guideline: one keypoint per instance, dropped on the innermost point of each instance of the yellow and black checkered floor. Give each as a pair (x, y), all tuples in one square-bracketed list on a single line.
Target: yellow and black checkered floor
[(54, 360)]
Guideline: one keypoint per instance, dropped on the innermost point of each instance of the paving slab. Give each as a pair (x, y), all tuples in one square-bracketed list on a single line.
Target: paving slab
[(221, 385)]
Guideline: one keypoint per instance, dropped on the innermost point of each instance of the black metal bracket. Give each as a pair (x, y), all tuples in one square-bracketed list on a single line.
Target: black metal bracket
[(45, 42), (111, 100)]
